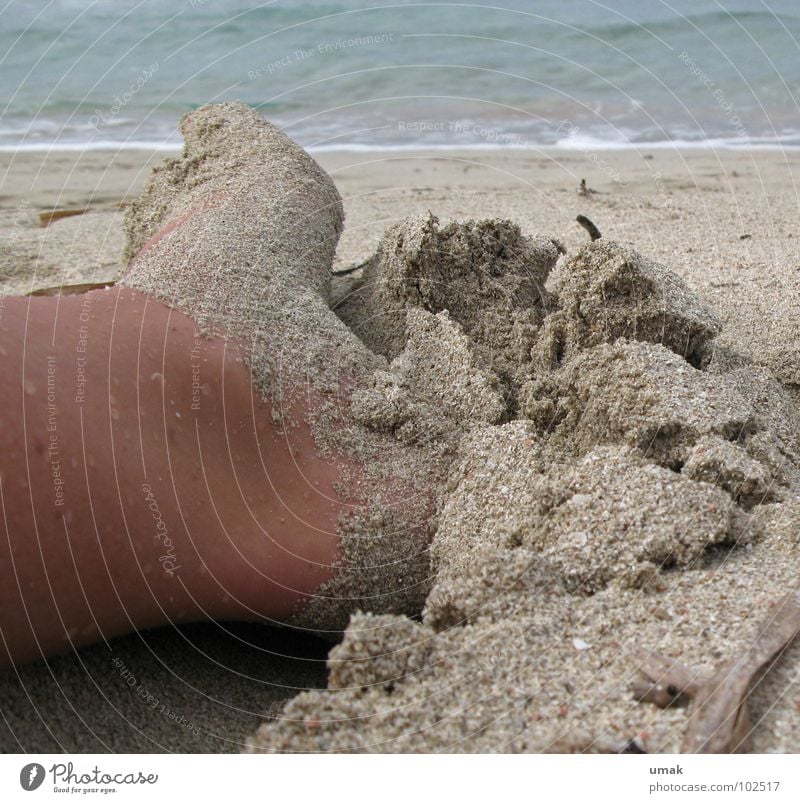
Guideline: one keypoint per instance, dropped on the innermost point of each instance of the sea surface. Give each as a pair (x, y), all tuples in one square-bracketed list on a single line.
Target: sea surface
[(89, 74)]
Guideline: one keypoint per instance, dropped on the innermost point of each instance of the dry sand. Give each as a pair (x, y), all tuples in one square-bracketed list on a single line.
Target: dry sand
[(606, 496)]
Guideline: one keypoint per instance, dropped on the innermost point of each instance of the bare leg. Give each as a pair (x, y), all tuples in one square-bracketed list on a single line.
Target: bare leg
[(129, 498), (151, 472)]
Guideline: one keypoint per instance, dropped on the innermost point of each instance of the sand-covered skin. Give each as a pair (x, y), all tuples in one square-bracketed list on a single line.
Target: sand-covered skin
[(240, 233)]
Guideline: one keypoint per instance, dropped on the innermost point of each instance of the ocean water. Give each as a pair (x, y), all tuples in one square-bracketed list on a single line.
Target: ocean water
[(351, 74)]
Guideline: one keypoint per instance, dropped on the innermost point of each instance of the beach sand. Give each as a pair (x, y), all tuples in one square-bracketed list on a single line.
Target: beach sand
[(513, 653)]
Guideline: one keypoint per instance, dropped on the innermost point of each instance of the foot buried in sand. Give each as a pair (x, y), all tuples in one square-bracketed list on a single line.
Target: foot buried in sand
[(198, 420), (240, 234), (597, 472)]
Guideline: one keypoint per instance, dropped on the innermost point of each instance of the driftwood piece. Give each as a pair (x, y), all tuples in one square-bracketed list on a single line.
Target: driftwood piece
[(587, 224), (664, 682), (719, 721), (70, 289), (46, 218)]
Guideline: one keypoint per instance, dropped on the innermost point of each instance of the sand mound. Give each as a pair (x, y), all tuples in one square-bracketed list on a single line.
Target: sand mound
[(609, 517), (607, 291), (435, 387), (639, 394), (486, 274), (623, 497), (717, 428)]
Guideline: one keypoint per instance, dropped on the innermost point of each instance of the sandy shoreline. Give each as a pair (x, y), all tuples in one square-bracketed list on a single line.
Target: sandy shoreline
[(725, 222)]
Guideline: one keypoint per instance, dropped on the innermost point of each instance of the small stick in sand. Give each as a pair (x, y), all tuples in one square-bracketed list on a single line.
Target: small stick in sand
[(587, 224), (719, 721), (347, 271)]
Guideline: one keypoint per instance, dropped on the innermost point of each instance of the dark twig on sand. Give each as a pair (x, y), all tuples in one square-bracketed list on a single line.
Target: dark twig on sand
[(719, 721), (347, 271), (587, 224)]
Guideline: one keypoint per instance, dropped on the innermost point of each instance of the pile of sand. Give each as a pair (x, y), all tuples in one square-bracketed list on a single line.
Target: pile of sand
[(618, 479), (618, 486)]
